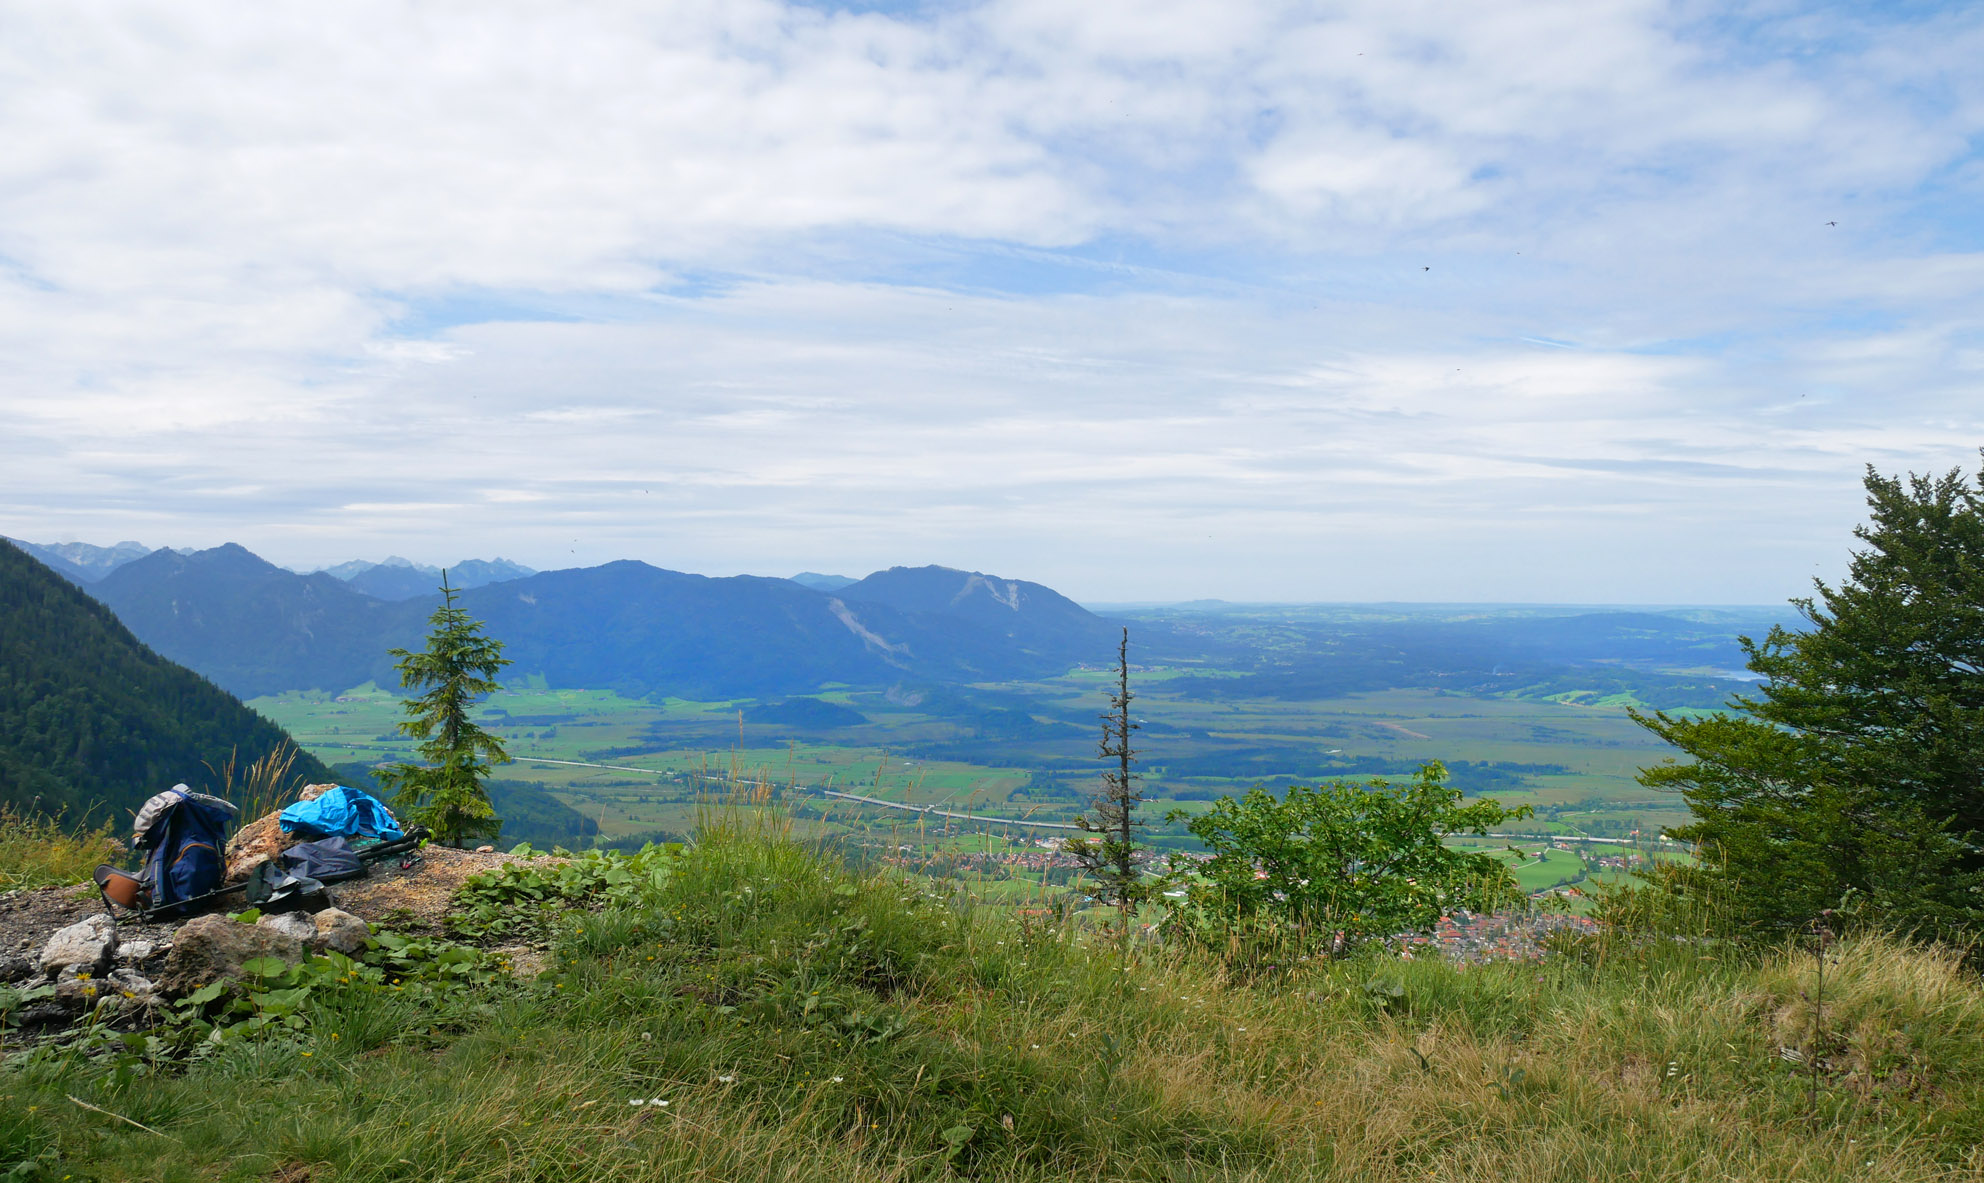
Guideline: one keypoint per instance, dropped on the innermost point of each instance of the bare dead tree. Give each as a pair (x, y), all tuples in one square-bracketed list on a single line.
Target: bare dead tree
[(1109, 856)]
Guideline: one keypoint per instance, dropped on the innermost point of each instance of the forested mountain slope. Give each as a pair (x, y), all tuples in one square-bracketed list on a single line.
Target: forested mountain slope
[(89, 717), (256, 628), (1031, 618)]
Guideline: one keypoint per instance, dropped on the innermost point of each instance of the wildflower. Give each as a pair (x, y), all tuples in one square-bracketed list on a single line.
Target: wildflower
[(837, 1080), (637, 1102), (726, 1079)]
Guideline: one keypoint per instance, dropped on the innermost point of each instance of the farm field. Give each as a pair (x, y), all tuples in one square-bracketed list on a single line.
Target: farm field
[(640, 769)]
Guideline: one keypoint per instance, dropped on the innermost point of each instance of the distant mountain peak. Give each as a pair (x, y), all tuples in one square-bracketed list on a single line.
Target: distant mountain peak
[(398, 578), (81, 562), (819, 582)]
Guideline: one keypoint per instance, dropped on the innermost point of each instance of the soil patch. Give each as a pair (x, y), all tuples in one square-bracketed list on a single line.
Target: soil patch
[(416, 897)]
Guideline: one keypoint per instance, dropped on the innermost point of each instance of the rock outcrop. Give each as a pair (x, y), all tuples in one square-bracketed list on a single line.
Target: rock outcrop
[(209, 948), (262, 839)]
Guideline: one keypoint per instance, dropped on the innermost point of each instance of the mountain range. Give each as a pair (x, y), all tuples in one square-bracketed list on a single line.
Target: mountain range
[(396, 578), (79, 562), (256, 628), (393, 578), (91, 720)]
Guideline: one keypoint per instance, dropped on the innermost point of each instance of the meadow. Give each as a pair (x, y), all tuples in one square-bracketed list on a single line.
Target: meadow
[(764, 1012)]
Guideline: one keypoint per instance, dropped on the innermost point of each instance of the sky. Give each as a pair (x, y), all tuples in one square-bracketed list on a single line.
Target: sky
[(1545, 302)]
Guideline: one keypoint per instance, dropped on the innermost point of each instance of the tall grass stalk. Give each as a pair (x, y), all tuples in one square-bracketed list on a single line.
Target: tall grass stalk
[(264, 786)]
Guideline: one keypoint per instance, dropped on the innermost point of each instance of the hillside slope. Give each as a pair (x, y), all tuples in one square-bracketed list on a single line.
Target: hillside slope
[(90, 717), (641, 629), (256, 628), (1031, 618)]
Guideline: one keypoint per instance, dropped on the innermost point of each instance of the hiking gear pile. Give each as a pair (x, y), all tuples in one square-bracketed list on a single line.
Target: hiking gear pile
[(183, 835), (341, 810), (294, 880)]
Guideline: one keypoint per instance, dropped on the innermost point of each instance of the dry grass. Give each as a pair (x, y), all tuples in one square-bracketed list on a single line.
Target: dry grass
[(37, 851), (262, 787)]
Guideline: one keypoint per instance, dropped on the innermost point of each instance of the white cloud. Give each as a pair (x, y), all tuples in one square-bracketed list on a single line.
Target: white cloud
[(277, 273)]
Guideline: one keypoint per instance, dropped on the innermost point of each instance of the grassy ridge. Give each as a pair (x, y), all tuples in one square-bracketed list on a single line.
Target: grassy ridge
[(804, 1023)]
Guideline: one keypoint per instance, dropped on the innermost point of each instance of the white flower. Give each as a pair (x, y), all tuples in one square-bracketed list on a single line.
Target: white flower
[(637, 1102), (837, 1080), (657, 1101), (726, 1080)]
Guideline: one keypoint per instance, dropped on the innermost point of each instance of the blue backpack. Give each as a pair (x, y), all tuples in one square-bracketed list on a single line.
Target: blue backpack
[(185, 834)]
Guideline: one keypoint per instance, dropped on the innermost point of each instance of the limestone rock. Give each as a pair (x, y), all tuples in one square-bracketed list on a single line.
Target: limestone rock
[(209, 948), (135, 952), (339, 932), (130, 981), (256, 843), (289, 924), (85, 945), (485, 850), (312, 792)]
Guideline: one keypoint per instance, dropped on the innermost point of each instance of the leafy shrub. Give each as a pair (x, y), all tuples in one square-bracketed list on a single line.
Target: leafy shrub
[(522, 899), (1338, 864)]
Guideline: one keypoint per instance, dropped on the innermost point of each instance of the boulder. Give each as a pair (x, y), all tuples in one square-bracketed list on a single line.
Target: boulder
[(263, 839), (86, 946), (256, 843), (209, 948), (339, 932), (289, 924)]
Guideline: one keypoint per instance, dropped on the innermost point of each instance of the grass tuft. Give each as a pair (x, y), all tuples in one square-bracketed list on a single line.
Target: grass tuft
[(37, 851)]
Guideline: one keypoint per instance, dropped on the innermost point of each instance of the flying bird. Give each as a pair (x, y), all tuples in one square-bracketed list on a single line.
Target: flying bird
[(1832, 223), (1425, 268)]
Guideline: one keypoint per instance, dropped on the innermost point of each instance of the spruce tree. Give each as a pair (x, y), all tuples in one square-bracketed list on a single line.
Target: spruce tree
[(1855, 775), (456, 669), (1110, 856)]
